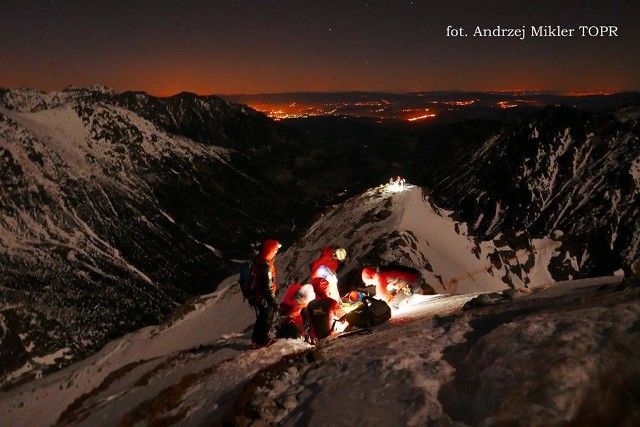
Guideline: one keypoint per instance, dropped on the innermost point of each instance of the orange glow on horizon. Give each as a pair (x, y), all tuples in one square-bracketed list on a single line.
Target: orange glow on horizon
[(571, 93), (281, 106), (169, 86)]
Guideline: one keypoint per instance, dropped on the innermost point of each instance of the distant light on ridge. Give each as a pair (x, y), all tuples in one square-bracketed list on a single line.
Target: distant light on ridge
[(397, 185)]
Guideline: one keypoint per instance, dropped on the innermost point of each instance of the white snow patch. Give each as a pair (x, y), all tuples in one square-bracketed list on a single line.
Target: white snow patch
[(212, 249), (29, 348), (4, 328), (53, 357), (478, 220), (486, 146), (166, 215), (565, 142), (496, 218)]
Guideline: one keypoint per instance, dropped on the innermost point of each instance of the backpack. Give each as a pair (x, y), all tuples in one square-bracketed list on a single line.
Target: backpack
[(247, 282), (371, 312)]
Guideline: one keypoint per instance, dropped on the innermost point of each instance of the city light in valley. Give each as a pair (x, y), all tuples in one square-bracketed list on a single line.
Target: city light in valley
[(418, 107)]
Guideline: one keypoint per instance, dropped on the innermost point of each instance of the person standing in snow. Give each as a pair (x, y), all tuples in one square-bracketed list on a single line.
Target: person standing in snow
[(266, 286), (322, 312), (295, 300), (395, 283)]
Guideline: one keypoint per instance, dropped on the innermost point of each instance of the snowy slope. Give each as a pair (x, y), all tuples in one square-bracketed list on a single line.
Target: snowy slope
[(538, 358), (202, 324)]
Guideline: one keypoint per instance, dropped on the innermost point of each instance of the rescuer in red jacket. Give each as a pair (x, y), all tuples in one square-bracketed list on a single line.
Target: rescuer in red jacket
[(394, 283), (326, 266), (266, 286), (295, 300), (322, 312), (331, 257)]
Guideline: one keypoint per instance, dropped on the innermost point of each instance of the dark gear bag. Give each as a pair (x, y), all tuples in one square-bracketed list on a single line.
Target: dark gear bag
[(288, 329), (247, 282), (371, 312)]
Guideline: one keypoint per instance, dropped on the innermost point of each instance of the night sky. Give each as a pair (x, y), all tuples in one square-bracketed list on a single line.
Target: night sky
[(223, 47)]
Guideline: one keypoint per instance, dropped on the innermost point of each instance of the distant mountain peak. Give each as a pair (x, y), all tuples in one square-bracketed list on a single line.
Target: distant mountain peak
[(95, 88)]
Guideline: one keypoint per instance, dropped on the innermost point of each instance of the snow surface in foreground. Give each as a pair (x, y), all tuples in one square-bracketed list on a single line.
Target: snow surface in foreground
[(537, 367)]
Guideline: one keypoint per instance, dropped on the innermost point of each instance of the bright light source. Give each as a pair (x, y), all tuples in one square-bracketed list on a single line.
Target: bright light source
[(422, 117), (340, 326), (506, 104), (397, 185)]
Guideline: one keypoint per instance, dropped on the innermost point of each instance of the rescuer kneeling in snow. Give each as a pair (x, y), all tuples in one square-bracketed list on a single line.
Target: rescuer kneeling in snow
[(326, 266), (395, 283), (294, 301), (322, 312), (329, 275)]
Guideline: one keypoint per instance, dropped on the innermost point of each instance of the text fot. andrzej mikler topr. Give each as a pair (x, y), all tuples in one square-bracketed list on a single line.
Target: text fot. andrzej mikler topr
[(535, 31)]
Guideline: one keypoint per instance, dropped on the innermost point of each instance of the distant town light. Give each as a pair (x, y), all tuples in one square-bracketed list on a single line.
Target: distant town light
[(460, 103), (506, 104), (424, 116)]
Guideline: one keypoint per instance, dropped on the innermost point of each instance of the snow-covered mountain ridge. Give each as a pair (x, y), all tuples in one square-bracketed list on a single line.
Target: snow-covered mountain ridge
[(385, 226), (205, 119), (108, 221), (567, 170)]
